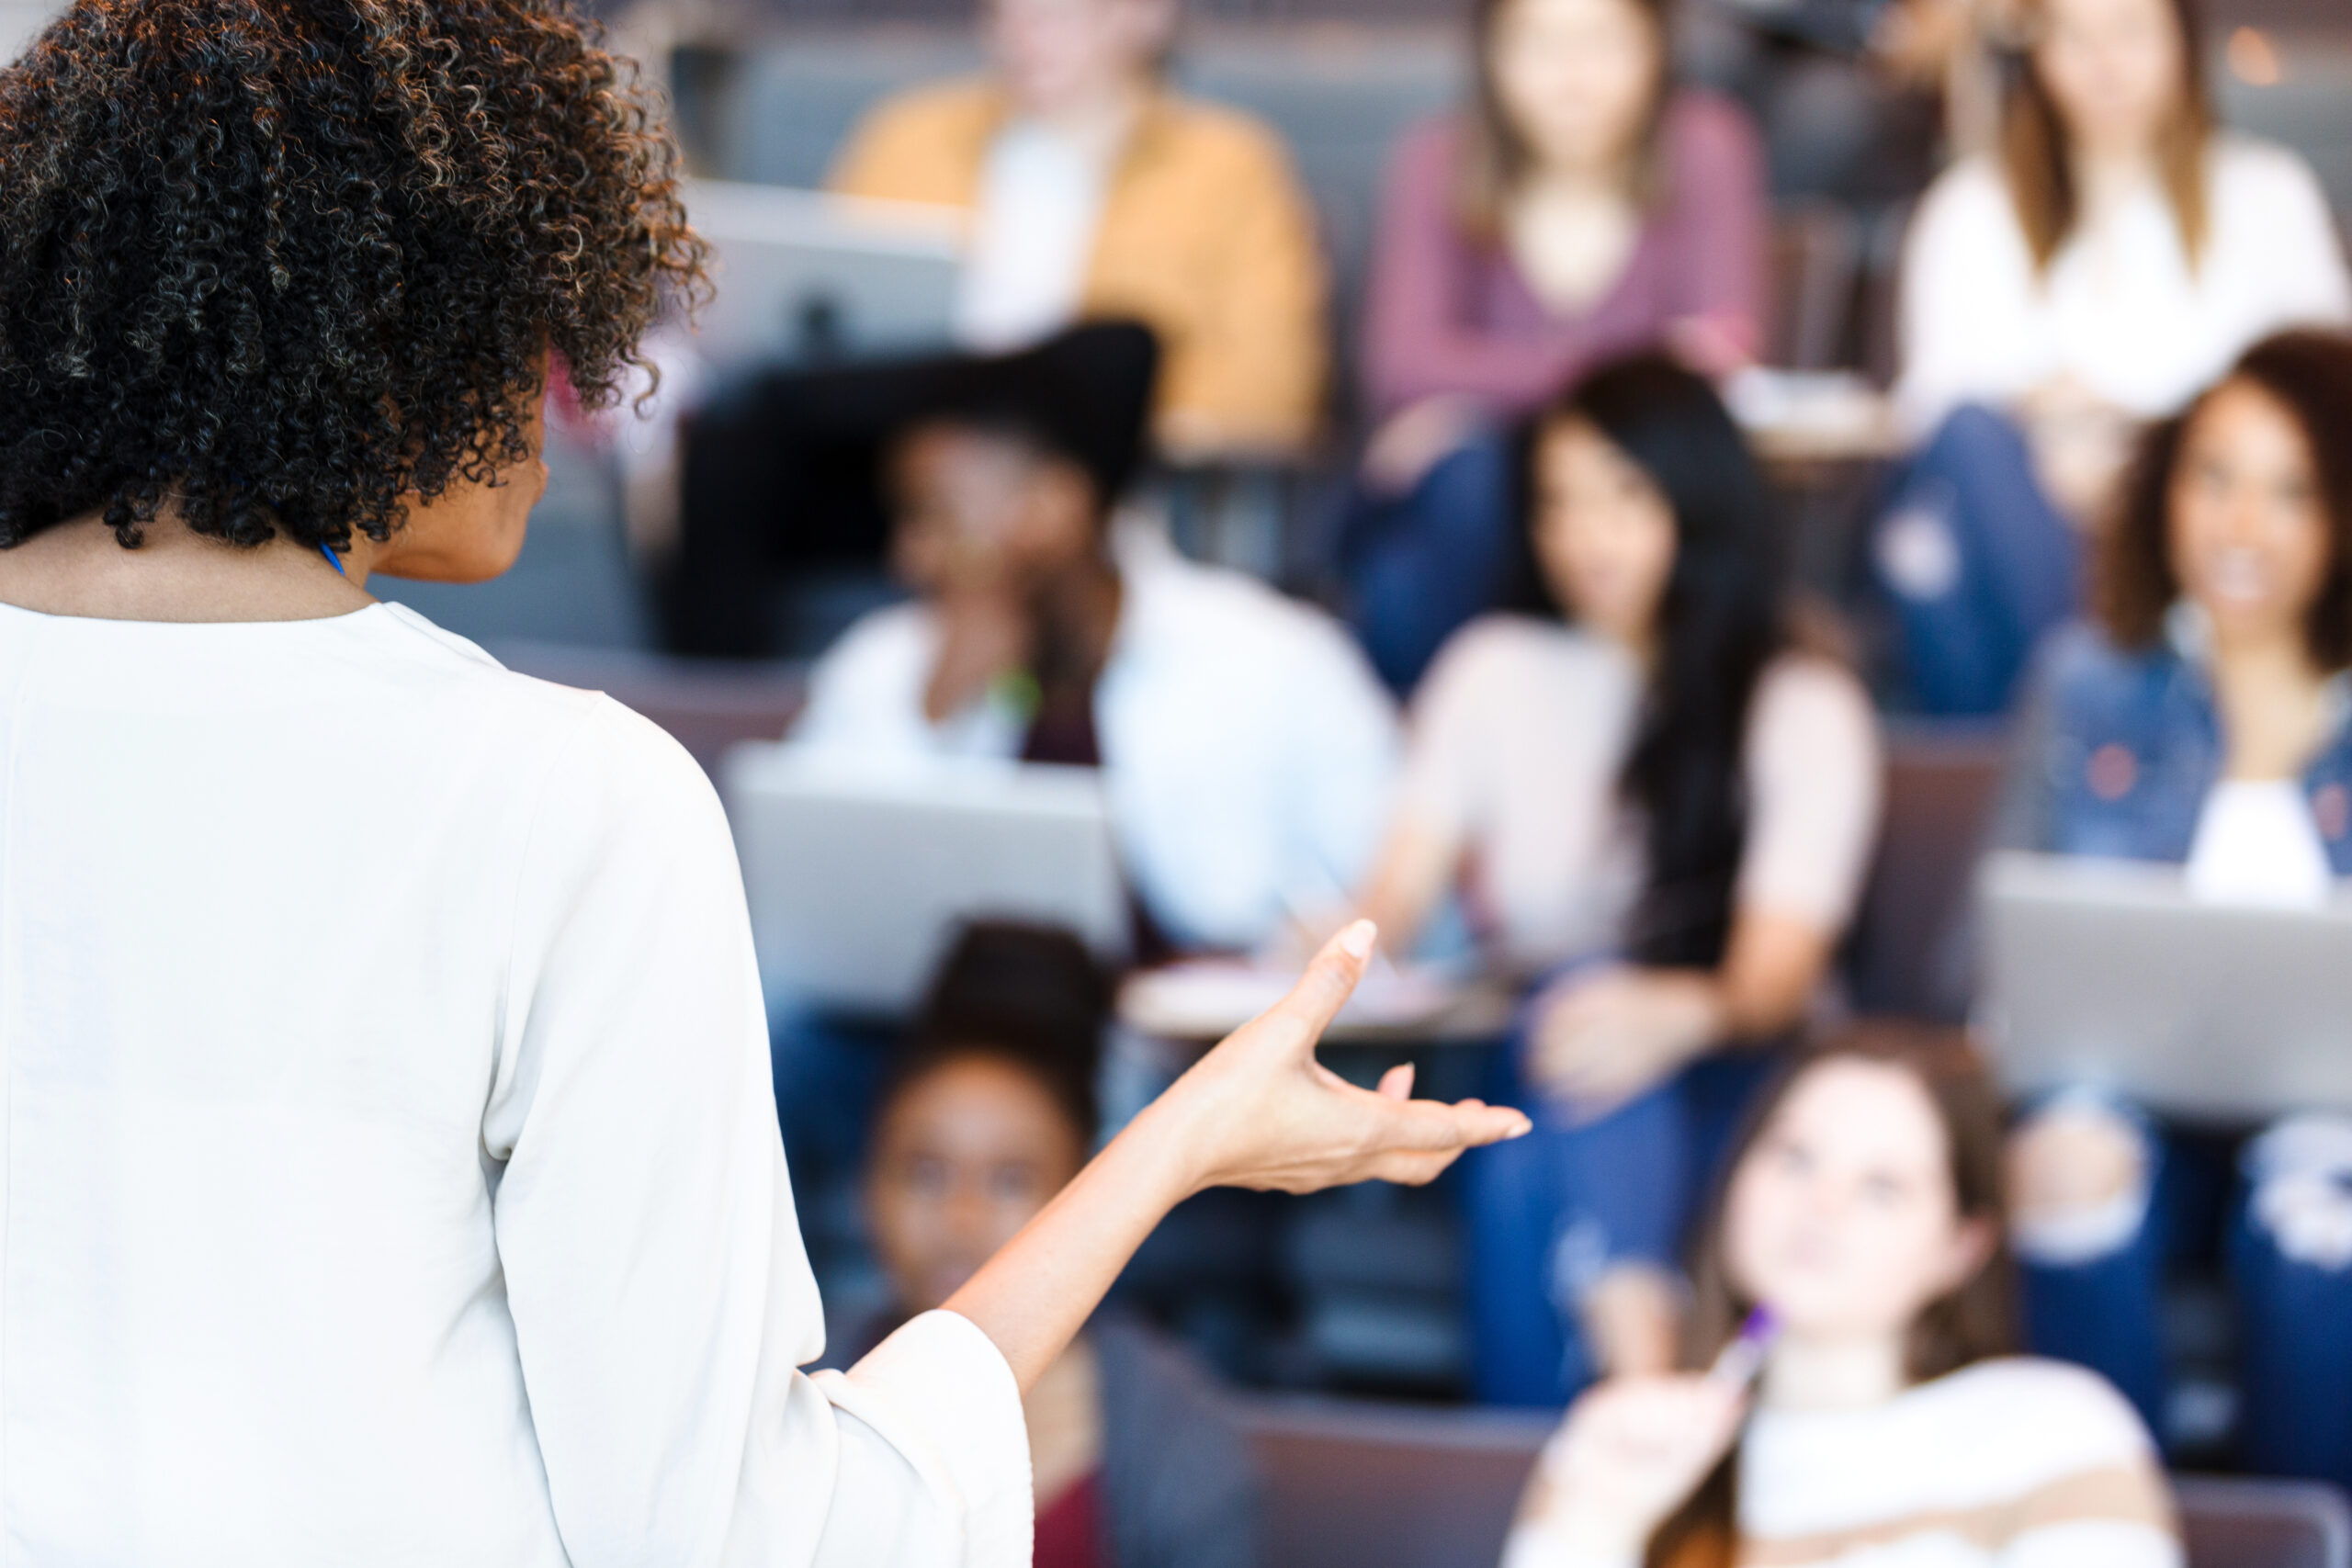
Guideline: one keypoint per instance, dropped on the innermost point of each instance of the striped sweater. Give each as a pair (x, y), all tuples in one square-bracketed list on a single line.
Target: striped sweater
[(2015, 1464)]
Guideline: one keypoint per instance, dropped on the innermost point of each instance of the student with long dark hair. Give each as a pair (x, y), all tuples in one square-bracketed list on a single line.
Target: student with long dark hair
[(1648, 785), (1890, 1422), (1582, 207), (2204, 720)]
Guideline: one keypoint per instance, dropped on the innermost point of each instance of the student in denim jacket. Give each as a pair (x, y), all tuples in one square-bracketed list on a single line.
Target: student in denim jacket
[(2206, 720)]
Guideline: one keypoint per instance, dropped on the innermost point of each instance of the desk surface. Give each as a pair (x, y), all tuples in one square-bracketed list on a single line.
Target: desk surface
[(1203, 1003)]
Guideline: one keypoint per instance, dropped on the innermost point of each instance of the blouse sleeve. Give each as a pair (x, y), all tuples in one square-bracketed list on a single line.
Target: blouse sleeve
[(1416, 344), (1449, 747), (2308, 282), (1719, 192), (1257, 370), (1966, 332), (653, 1267), (1814, 780)]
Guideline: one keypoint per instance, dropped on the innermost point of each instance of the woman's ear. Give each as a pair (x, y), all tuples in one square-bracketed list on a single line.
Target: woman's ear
[(1972, 1243)]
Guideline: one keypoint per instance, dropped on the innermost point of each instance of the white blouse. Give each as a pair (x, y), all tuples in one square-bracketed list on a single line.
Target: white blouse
[(2120, 307), (1520, 732), (388, 1164), (1032, 236)]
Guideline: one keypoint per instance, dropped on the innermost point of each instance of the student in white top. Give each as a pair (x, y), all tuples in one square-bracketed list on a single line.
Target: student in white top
[(2205, 720), (1653, 794), (389, 1170), (2112, 260), (1886, 1422), (1247, 750)]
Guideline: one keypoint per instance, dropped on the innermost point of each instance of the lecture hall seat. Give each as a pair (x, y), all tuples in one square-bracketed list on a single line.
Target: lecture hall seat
[(1353, 1485)]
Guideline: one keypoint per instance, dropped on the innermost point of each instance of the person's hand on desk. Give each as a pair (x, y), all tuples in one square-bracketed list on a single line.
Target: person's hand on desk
[(1602, 1037), (1258, 1110)]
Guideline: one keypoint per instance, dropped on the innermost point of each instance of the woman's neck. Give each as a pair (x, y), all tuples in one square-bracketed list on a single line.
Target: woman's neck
[(1607, 178), (2273, 701), (1099, 118), (1833, 1374), (2107, 176), (78, 568)]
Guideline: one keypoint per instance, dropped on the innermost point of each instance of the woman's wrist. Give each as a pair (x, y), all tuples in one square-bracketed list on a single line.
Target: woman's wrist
[(1161, 1156)]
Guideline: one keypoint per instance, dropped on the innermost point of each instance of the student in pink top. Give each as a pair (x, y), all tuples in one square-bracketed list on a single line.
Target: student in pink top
[(1582, 207)]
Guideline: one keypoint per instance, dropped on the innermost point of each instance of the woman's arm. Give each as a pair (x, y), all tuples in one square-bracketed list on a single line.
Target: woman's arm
[(1604, 1036), (1258, 1112), (1718, 170), (1814, 772), (1417, 864)]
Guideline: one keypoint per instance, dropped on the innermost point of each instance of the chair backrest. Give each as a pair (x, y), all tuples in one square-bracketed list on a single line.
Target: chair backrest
[(1816, 263), (1940, 781), (1352, 1485), (2242, 1522)]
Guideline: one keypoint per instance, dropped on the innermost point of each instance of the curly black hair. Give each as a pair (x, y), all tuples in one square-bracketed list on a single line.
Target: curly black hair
[(289, 266)]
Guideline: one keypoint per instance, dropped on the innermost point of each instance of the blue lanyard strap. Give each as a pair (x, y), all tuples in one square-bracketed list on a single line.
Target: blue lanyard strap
[(333, 559)]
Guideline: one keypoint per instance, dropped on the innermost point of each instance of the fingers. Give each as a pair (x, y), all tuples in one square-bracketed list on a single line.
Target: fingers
[(1428, 1126), (1324, 989), (1396, 1083)]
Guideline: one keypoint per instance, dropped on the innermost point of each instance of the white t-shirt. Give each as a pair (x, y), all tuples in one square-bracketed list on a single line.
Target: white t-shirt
[(1519, 735), (1032, 236), (2120, 309), (2256, 843), (390, 1168), (1249, 752), (2014, 1463)]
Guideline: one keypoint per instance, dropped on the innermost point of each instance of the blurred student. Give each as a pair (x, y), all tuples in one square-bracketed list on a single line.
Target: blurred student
[(2205, 720), (2113, 259), (1890, 1423), (1097, 192), (989, 1111), (1247, 750), (1651, 786), (1580, 209)]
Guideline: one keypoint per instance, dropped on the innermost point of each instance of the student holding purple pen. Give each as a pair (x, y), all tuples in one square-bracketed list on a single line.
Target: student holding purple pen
[(1873, 1413)]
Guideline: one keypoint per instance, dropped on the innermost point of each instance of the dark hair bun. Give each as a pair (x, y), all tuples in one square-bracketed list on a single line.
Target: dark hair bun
[(1032, 996)]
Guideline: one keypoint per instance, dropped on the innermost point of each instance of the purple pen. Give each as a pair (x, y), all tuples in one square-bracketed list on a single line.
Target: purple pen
[(1744, 1357)]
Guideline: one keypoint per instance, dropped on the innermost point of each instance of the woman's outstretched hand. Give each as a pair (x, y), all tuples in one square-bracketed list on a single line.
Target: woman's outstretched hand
[(1258, 1110)]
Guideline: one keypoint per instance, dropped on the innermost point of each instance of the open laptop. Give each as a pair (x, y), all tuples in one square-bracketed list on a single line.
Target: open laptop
[(2110, 973), (859, 873), (805, 279)]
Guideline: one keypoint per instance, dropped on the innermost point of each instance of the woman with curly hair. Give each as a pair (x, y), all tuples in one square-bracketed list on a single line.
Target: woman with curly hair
[(2201, 717), (390, 1169)]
